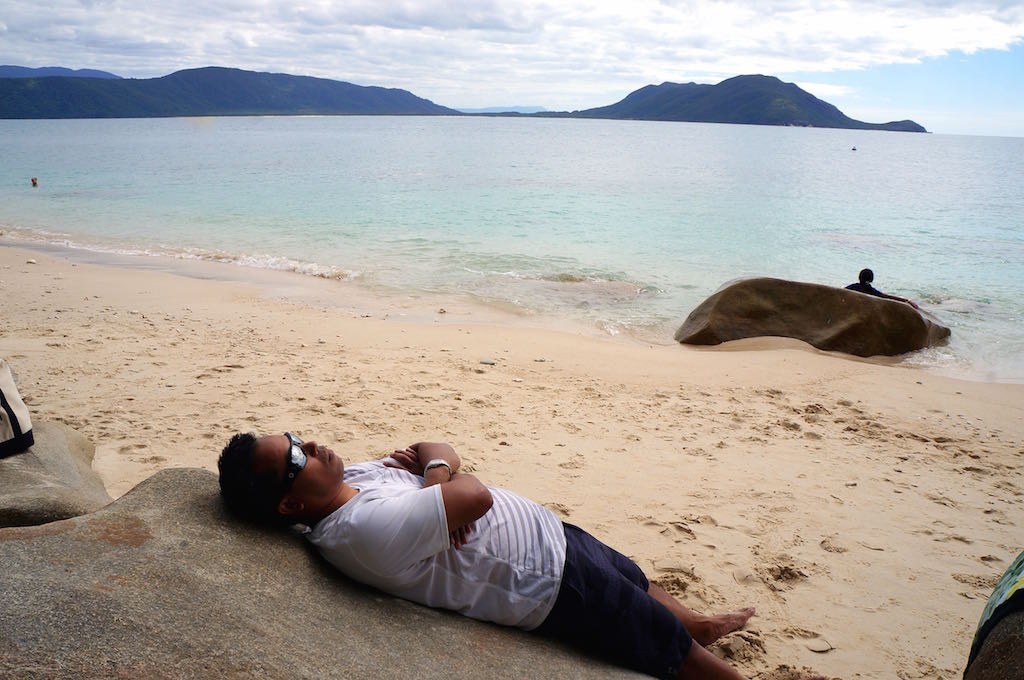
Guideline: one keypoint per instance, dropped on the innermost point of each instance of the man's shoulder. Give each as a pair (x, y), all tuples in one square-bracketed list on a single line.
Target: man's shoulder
[(360, 514), (865, 288)]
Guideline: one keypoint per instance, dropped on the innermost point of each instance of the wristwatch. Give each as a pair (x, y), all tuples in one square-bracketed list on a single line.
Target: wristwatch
[(438, 462)]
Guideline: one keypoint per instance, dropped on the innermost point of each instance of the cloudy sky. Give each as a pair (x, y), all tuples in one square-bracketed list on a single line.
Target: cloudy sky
[(955, 66)]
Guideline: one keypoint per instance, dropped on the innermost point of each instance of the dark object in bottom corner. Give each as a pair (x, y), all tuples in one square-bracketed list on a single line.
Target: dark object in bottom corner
[(15, 425), (996, 651)]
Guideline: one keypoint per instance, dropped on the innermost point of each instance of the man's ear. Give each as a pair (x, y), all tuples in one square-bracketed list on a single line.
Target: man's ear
[(289, 506)]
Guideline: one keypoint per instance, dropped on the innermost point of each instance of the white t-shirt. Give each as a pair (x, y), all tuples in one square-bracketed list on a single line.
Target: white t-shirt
[(393, 535)]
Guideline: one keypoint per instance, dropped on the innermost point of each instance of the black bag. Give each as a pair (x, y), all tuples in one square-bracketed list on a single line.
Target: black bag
[(15, 426)]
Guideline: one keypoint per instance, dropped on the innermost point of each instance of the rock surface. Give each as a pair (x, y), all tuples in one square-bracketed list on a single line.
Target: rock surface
[(51, 480), (833, 319), (163, 584)]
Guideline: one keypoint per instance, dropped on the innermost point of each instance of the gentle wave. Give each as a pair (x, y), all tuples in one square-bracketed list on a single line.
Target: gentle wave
[(239, 259)]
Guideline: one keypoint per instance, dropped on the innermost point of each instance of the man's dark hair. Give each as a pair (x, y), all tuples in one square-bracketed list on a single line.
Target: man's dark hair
[(866, 276), (250, 495)]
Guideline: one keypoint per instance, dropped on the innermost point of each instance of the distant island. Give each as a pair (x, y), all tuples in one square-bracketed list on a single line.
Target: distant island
[(56, 92), (7, 71), (752, 100), (211, 91)]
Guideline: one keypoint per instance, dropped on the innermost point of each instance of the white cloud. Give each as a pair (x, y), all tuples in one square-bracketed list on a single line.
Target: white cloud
[(826, 91), (567, 54)]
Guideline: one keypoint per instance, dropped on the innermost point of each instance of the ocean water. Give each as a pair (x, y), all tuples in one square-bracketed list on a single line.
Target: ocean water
[(621, 227)]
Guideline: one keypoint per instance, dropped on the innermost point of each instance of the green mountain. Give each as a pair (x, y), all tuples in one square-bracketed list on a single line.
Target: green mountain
[(8, 71), (214, 91), (753, 100), (208, 91)]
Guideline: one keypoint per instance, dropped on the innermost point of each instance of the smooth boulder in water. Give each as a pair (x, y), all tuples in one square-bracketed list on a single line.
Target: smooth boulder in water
[(832, 319)]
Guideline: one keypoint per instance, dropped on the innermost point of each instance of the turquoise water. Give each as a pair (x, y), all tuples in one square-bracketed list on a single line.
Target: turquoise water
[(622, 226)]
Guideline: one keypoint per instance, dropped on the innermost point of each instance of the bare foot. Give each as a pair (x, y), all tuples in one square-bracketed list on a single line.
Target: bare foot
[(711, 628)]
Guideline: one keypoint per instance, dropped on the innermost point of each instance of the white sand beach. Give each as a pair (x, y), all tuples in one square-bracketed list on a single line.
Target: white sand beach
[(866, 510)]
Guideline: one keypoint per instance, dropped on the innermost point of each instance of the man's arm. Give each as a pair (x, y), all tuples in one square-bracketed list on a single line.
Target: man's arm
[(465, 498), (897, 298)]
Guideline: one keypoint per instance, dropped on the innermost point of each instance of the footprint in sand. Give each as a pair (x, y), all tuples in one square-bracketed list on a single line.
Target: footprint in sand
[(828, 545), (781, 574), (953, 537), (984, 583), (674, 584), (745, 577), (577, 461), (675, 529), (559, 509), (784, 672), (926, 669), (743, 646), (941, 500), (812, 640), (680, 529), (683, 582), (786, 572)]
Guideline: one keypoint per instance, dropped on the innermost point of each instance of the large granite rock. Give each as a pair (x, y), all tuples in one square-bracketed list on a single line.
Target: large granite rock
[(163, 584), (833, 319), (51, 480), (1002, 655)]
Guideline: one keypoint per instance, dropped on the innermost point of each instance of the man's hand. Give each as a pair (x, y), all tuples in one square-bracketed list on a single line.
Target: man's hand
[(428, 451), (405, 459), (465, 498), (460, 536), (415, 456)]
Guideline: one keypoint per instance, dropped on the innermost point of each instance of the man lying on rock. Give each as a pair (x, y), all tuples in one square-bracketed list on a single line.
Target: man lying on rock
[(414, 526)]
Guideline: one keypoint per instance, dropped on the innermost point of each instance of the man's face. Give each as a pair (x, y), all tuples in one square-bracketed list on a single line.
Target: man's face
[(317, 484)]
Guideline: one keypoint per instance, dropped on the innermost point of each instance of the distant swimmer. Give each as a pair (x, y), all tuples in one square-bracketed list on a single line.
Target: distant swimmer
[(864, 286), (853, 149), (35, 181)]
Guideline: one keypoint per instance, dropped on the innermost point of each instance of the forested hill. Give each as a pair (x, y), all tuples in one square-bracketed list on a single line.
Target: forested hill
[(215, 91), (8, 71), (754, 100), (211, 91)]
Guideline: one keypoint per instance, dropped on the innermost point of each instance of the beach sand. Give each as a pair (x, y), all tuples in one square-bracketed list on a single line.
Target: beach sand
[(865, 510)]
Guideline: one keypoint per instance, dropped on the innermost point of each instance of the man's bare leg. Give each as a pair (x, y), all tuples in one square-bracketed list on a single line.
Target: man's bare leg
[(701, 664), (703, 629)]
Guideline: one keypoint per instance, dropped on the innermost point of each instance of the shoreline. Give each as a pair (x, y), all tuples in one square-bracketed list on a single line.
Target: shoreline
[(347, 296), (865, 505), (354, 297)]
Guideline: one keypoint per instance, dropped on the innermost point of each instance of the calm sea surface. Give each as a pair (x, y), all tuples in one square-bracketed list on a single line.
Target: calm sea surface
[(620, 226)]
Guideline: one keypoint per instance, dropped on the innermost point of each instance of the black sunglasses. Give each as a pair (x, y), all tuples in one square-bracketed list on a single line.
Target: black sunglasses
[(296, 462)]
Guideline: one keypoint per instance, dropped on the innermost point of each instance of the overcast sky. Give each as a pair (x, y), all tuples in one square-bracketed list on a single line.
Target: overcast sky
[(954, 66)]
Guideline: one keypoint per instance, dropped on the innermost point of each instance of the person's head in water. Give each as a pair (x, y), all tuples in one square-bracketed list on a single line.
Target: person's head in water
[(866, 276)]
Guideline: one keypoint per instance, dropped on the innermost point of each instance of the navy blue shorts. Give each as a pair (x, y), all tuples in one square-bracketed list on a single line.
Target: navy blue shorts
[(603, 607)]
